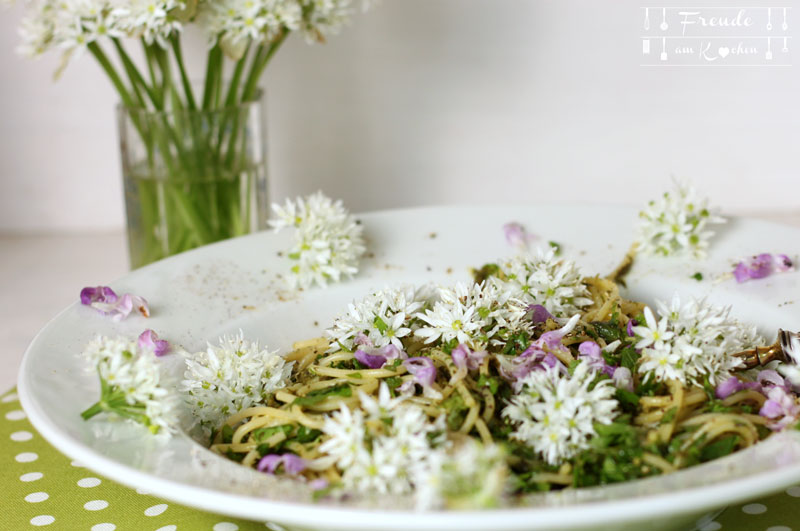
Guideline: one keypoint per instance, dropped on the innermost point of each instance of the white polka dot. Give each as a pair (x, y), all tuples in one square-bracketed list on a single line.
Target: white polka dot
[(779, 528), (95, 505), (167, 528), (26, 457), (77, 464), (142, 491), (711, 526), (155, 510), (87, 483), (104, 527), (10, 398), (794, 492), (754, 508), (44, 519), (225, 526), (274, 527), (36, 497), (31, 476), (15, 415), (21, 436)]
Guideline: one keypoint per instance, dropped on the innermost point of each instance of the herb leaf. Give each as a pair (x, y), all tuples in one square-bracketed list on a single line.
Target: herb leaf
[(315, 397)]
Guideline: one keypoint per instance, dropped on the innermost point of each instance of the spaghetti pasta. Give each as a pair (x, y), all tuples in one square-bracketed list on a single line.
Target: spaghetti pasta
[(659, 427)]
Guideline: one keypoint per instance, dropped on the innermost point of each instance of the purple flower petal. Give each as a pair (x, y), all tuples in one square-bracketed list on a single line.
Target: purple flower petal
[(370, 360), (761, 266), (780, 404), (516, 234), (149, 340), (772, 378), (269, 463), (104, 300), (318, 484), (629, 328), (292, 464), (391, 353), (362, 339), (728, 387), (782, 263), (539, 313), (771, 409), (97, 294), (590, 349), (422, 369), (463, 357)]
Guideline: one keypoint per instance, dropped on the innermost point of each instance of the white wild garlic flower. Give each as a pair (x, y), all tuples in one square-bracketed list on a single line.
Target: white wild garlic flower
[(328, 240)]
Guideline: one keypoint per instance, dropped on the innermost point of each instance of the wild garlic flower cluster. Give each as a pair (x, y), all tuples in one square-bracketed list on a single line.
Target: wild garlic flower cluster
[(381, 318), (470, 314), (132, 384), (543, 279), (386, 447), (230, 377), (692, 341), (73, 24), (555, 412), (676, 224), (473, 314), (328, 241)]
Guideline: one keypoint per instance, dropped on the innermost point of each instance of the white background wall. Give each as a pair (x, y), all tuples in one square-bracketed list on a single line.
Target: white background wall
[(439, 101)]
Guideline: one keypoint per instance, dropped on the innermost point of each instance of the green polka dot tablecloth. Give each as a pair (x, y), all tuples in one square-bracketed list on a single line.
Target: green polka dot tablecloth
[(43, 488)]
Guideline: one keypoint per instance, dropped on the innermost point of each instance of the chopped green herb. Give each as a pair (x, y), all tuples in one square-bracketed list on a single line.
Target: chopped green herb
[(719, 448), (669, 415), (380, 324), (628, 400), (227, 434), (315, 397), (307, 435), (698, 276), (262, 434), (456, 411), (489, 381), (486, 271)]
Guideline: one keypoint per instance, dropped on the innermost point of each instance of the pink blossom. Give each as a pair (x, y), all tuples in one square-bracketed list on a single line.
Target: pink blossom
[(516, 234), (106, 301), (463, 357), (149, 340), (761, 266)]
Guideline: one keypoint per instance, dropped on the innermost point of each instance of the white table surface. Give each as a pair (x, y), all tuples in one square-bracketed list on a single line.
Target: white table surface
[(42, 274)]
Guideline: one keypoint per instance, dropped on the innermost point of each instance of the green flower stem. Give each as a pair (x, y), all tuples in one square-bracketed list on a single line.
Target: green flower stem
[(260, 62), (158, 101), (93, 410), (213, 75), (230, 98), (187, 87), (101, 57), (251, 86), (137, 80)]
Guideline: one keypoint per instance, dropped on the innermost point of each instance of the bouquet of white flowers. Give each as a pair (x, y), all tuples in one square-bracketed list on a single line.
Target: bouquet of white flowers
[(191, 154)]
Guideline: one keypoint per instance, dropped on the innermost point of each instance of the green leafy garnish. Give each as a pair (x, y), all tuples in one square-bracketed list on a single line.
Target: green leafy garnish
[(262, 434), (317, 396)]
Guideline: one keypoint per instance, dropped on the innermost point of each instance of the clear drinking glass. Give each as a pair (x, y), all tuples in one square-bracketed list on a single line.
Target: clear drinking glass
[(192, 177)]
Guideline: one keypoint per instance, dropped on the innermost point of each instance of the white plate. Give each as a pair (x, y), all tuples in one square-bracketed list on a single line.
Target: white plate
[(231, 285)]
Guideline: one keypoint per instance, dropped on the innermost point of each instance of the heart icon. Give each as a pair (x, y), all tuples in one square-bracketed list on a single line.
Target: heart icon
[(724, 51)]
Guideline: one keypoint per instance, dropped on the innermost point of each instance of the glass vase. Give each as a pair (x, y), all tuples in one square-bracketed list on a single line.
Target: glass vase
[(192, 177)]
